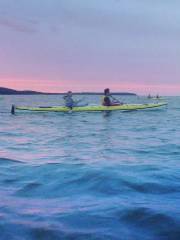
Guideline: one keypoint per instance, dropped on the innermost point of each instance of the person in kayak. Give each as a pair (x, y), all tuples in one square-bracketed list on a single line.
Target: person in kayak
[(70, 102), (109, 100)]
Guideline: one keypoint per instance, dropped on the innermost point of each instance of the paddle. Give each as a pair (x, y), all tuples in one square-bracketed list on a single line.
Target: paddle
[(13, 109), (81, 100), (115, 99)]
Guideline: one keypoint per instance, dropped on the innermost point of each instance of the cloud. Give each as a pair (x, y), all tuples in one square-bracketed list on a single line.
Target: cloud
[(28, 27)]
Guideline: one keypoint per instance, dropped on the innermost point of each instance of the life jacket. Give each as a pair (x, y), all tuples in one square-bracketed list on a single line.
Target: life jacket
[(69, 102), (106, 101)]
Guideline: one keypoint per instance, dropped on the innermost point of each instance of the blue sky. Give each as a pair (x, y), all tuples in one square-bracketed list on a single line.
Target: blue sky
[(130, 45)]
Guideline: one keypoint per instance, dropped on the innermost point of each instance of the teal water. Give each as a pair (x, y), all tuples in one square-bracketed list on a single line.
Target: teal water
[(89, 175)]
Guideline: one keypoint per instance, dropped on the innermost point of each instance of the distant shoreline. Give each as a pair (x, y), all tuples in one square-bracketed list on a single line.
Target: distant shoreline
[(8, 91)]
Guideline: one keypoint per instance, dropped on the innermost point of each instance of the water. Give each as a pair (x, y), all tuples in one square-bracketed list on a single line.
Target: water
[(89, 176)]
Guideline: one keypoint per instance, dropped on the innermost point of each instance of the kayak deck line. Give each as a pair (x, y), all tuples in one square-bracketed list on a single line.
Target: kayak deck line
[(93, 108)]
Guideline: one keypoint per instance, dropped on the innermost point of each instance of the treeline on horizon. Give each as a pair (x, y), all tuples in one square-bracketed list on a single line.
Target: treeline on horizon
[(8, 91)]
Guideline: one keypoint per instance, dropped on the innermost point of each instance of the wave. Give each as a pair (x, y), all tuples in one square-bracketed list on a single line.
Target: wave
[(158, 223), (151, 187), (9, 161), (29, 189)]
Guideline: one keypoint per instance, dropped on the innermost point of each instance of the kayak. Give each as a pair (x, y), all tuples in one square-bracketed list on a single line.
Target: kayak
[(124, 107), (160, 98), (97, 108)]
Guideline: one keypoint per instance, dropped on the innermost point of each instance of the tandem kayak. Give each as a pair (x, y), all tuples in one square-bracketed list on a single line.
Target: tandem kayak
[(124, 107)]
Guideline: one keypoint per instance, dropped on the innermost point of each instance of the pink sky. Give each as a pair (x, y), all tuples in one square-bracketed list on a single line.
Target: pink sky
[(130, 46), (61, 86)]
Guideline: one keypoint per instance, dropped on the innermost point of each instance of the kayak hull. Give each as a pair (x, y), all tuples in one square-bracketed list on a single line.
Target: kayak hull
[(124, 107)]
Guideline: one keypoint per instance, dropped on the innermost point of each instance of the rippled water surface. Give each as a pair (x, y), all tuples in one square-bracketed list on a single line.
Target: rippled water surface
[(87, 175)]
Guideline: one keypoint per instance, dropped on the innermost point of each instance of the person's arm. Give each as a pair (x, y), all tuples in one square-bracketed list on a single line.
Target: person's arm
[(65, 97), (115, 99)]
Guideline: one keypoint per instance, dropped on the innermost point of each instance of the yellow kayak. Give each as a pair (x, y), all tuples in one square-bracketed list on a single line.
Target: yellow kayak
[(124, 107)]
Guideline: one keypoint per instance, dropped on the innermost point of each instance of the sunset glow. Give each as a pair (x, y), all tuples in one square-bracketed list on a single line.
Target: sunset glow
[(124, 45)]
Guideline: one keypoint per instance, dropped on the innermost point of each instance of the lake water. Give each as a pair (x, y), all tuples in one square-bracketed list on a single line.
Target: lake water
[(89, 176)]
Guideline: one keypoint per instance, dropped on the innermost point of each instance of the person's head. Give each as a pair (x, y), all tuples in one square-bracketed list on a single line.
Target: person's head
[(69, 93), (106, 91)]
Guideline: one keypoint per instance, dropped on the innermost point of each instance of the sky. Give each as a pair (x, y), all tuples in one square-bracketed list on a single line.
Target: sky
[(88, 45)]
